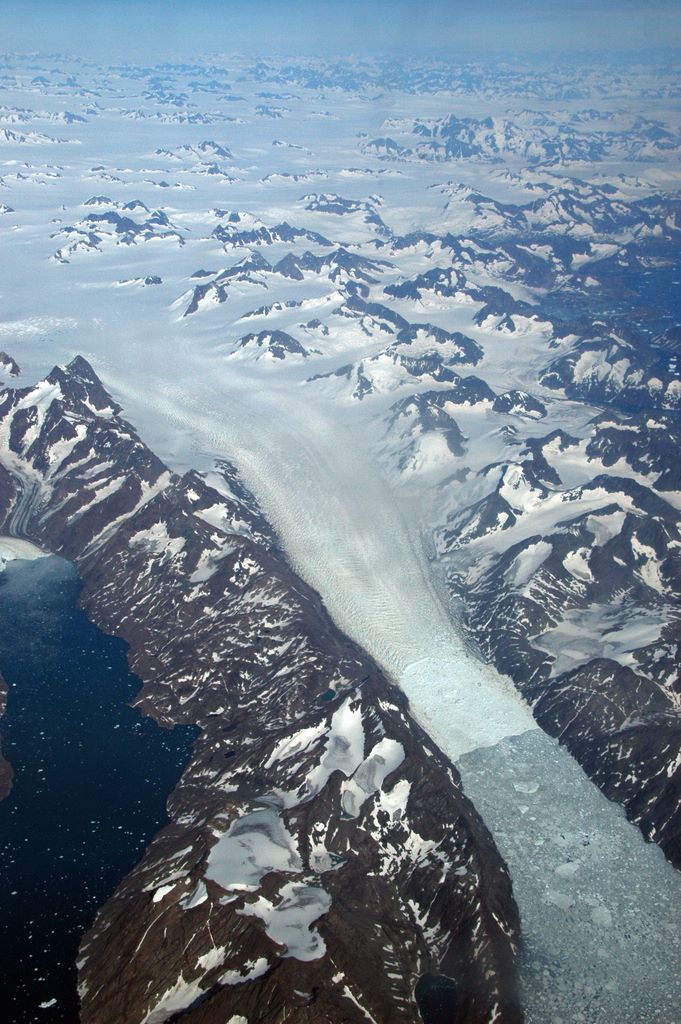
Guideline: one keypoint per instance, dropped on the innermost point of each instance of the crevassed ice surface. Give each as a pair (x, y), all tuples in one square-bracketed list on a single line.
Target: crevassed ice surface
[(349, 536), (599, 905)]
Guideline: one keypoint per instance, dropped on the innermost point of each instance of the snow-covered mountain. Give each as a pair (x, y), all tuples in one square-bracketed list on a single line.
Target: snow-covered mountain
[(313, 805), (539, 139)]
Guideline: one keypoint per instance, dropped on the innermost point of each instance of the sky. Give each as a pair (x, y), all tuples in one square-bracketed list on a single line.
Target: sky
[(161, 28)]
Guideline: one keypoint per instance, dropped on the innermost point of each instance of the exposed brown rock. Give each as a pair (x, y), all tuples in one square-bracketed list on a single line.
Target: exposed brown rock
[(401, 874)]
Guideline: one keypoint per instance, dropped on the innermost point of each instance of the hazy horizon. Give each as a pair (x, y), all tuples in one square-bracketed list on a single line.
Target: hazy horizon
[(152, 29)]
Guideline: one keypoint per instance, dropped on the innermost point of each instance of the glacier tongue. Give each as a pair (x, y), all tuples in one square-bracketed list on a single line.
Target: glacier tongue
[(16, 548), (461, 702), (349, 536)]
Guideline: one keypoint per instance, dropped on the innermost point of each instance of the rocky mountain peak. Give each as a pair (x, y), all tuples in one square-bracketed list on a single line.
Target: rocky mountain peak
[(80, 386), (9, 365)]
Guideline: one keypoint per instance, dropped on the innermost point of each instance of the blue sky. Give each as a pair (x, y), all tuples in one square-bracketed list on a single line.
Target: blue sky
[(157, 28)]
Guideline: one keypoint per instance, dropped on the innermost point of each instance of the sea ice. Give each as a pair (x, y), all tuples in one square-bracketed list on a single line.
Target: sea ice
[(598, 905)]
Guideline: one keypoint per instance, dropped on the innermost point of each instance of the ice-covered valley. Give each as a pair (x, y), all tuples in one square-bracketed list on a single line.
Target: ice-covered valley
[(599, 905), (349, 535)]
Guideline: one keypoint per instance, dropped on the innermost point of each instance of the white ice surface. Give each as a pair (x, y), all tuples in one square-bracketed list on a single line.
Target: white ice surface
[(250, 971), (344, 747), (348, 534), (288, 922), (383, 759), (12, 548), (179, 996), (253, 845), (598, 905), (601, 631)]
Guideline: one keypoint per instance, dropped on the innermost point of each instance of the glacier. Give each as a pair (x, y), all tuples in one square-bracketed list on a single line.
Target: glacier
[(598, 903)]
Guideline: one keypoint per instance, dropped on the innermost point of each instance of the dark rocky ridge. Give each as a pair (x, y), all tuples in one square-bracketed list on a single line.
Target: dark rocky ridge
[(538, 566), (233, 236), (277, 343), (95, 229), (224, 635), (9, 365)]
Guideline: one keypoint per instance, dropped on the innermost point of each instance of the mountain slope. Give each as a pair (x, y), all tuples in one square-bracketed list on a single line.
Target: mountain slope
[(314, 814)]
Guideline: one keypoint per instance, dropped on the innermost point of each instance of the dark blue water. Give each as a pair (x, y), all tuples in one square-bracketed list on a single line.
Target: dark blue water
[(91, 778), (436, 999)]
